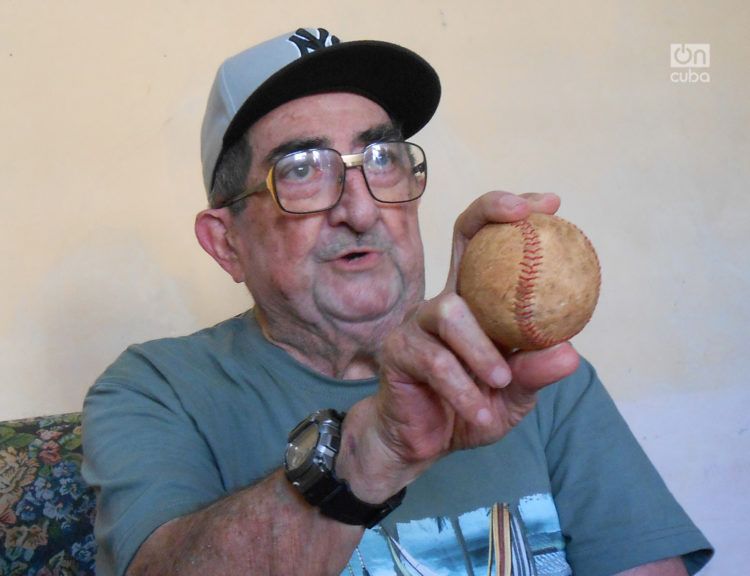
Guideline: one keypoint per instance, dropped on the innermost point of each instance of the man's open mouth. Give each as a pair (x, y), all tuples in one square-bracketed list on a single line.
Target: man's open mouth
[(354, 256)]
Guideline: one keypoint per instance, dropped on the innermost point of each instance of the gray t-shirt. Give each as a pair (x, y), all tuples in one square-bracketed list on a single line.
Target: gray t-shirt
[(175, 424)]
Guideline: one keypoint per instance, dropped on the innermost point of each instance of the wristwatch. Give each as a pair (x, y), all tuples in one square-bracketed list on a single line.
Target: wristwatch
[(309, 464)]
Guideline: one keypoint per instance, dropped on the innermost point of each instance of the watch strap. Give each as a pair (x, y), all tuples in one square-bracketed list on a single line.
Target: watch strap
[(317, 482), (342, 505)]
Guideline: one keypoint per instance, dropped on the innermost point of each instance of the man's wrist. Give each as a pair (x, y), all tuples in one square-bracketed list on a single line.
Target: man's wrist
[(310, 465), (372, 470)]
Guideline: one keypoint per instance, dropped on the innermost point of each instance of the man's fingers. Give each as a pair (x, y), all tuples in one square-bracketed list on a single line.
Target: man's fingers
[(491, 207), (446, 349), (449, 318), (535, 369), (542, 202), (430, 363), (500, 206), (494, 207), (532, 371)]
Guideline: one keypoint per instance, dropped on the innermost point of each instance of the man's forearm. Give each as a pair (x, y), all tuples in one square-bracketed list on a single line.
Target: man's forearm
[(265, 529)]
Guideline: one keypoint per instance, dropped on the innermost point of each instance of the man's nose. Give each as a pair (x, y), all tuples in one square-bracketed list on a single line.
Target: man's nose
[(356, 208)]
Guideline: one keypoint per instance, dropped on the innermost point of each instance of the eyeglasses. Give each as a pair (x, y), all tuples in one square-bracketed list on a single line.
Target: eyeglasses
[(312, 180)]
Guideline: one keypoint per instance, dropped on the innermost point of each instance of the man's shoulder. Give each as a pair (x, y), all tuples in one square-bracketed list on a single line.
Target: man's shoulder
[(171, 357), (216, 336)]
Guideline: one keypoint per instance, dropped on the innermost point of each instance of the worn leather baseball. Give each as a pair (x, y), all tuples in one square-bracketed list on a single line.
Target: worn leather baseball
[(531, 284)]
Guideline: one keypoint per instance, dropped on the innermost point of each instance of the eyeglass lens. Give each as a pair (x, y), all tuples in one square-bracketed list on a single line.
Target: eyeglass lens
[(313, 180)]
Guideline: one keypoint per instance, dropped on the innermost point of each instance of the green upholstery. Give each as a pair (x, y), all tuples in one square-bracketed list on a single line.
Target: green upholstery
[(46, 509)]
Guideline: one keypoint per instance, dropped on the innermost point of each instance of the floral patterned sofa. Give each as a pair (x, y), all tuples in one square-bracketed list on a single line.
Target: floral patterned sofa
[(46, 509)]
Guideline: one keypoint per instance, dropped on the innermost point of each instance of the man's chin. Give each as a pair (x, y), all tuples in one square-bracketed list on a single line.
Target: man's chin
[(376, 300), (364, 314), (363, 308)]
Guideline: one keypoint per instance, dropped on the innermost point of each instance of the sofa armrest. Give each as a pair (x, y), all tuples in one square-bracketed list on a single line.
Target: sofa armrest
[(46, 510)]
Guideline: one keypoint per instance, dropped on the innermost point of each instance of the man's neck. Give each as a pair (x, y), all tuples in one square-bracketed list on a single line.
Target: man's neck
[(346, 353)]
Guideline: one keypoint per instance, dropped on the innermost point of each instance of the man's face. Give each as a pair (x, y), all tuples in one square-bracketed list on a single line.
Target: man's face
[(357, 265)]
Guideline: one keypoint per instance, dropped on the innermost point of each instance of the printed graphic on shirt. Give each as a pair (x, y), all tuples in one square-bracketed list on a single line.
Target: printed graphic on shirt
[(544, 537), (500, 540)]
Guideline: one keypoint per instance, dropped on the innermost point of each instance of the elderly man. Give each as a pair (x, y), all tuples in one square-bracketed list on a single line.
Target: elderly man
[(344, 424)]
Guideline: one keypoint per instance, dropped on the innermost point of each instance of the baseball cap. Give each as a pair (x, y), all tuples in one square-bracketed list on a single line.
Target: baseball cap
[(310, 61)]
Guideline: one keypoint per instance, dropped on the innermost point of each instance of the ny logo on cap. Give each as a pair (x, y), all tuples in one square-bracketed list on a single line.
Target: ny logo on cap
[(306, 42)]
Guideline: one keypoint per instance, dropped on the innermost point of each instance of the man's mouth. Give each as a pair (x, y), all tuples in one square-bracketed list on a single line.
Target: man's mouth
[(358, 260), (354, 256)]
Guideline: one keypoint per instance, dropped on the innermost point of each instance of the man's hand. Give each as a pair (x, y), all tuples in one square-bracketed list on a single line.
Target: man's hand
[(445, 385)]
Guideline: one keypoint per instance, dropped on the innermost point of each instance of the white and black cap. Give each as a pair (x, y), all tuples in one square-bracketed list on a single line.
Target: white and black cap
[(313, 61)]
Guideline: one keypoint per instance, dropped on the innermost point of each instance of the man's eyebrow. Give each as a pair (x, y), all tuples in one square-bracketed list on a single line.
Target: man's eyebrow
[(387, 132), (294, 145)]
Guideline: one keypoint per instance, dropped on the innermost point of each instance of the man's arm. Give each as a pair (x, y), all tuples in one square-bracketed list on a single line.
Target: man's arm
[(264, 529), (444, 387)]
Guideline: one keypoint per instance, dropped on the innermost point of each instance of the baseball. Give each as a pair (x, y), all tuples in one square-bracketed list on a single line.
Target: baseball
[(531, 284)]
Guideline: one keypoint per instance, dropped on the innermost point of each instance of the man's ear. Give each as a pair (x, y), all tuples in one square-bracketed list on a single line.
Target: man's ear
[(212, 228)]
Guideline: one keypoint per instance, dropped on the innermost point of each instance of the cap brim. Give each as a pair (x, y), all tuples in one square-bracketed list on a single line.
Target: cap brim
[(399, 80)]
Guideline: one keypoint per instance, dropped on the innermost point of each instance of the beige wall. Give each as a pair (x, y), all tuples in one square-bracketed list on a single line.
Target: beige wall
[(100, 112)]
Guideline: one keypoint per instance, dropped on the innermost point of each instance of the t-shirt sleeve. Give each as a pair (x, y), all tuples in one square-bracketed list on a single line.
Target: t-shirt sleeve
[(144, 457), (615, 510)]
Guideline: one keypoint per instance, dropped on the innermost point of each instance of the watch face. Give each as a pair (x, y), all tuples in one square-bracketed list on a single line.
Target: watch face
[(298, 451)]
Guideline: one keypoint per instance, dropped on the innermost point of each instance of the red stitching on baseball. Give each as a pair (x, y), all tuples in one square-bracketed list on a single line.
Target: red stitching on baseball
[(531, 261)]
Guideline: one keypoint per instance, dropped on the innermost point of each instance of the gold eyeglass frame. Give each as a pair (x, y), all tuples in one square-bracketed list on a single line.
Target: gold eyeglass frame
[(350, 161)]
